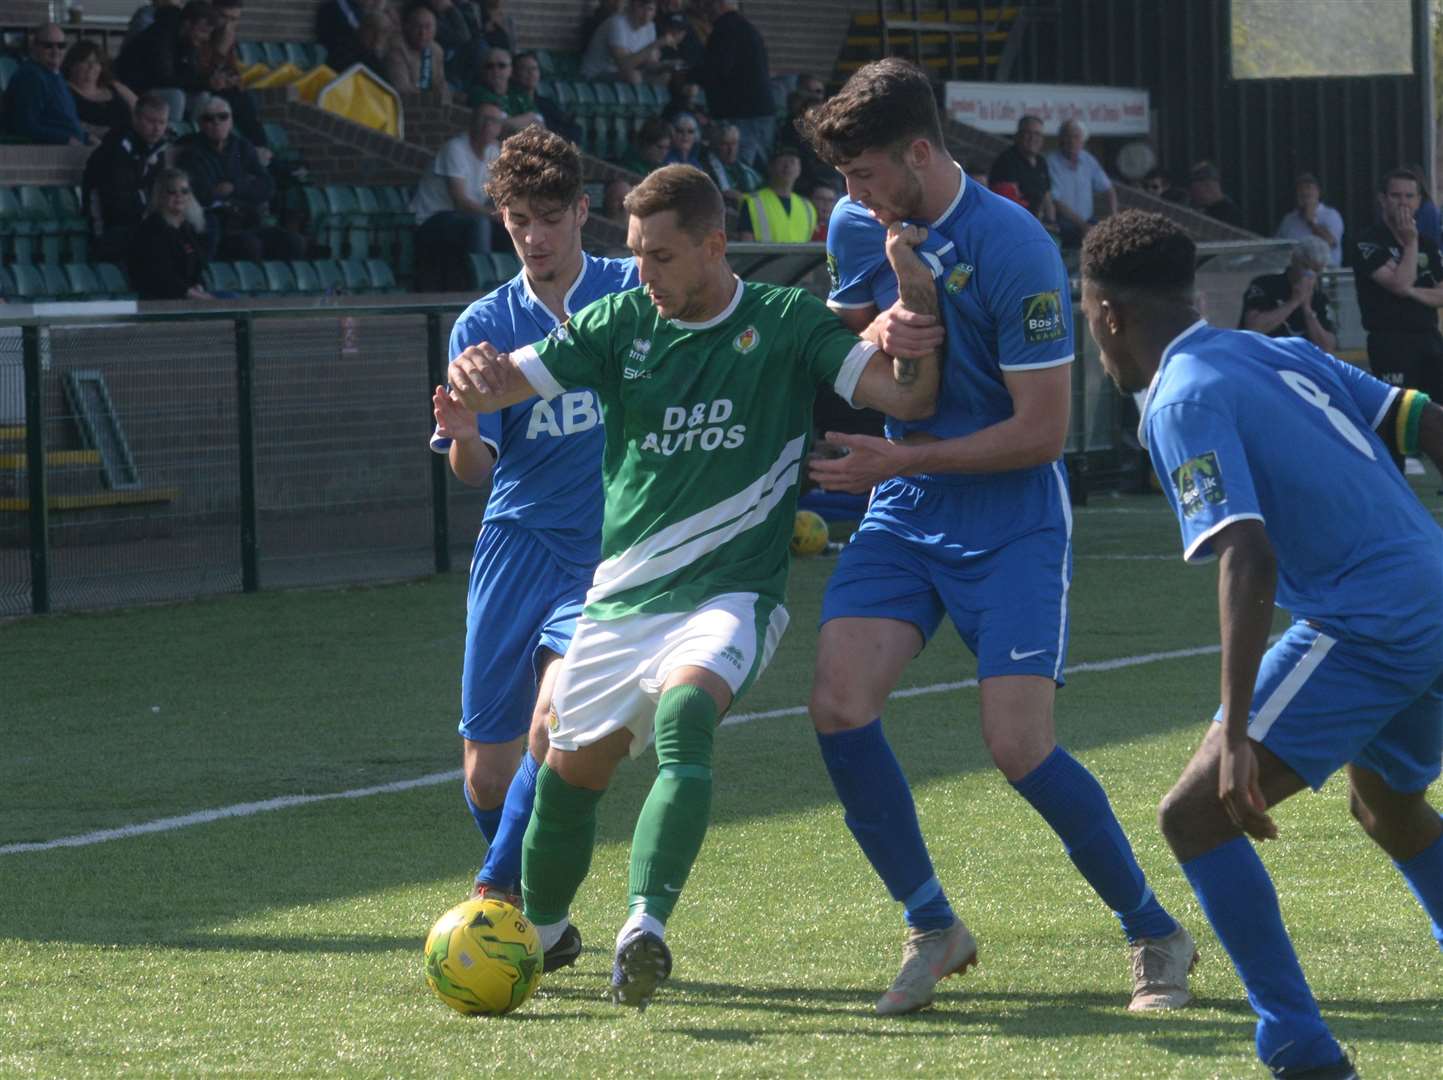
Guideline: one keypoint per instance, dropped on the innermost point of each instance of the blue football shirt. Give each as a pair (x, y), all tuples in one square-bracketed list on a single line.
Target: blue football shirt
[(1243, 426), (1003, 293), (548, 454)]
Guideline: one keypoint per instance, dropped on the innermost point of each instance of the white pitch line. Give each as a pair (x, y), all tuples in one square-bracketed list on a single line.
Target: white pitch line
[(286, 802)]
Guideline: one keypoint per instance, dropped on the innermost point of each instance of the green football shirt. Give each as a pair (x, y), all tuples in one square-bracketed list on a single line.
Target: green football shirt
[(707, 429)]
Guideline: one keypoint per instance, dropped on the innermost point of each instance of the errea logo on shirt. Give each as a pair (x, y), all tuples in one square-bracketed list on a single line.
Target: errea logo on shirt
[(1042, 317), (1199, 484)]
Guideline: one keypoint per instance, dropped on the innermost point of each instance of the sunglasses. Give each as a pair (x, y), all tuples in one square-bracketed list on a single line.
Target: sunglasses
[(497, 67), (215, 117), (177, 191), (686, 131), (51, 44)]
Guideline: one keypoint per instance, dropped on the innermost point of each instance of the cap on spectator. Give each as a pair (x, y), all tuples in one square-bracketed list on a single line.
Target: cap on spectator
[(1203, 170)]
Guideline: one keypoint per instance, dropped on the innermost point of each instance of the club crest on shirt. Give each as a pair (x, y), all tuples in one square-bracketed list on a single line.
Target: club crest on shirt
[(747, 340), (1042, 317), (958, 277), (1199, 483)]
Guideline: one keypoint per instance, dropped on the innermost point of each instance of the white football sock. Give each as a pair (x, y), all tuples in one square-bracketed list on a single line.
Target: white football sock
[(638, 923), (551, 932)]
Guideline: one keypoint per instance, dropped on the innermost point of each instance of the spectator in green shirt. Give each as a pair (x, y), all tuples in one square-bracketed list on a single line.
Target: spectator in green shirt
[(495, 89)]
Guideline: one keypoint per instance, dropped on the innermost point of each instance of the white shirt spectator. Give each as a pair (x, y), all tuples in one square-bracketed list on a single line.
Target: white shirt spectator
[(1076, 183), (1293, 227), (456, 159), (617, 31)]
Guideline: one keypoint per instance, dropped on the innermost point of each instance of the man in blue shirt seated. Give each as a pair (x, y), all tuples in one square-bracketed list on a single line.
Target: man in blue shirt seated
[(1275, 458), (38, 105)]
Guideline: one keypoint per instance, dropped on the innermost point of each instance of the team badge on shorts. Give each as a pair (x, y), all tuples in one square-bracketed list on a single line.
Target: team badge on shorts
[(958, 277), (552, 720), (1042, 317), (1199, 483), (747, 340)]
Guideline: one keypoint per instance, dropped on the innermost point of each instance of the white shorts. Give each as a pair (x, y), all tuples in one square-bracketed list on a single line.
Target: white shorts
[(613, 672)]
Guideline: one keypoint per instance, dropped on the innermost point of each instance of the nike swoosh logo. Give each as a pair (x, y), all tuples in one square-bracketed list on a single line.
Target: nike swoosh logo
[(671, 888), (1024, 655)]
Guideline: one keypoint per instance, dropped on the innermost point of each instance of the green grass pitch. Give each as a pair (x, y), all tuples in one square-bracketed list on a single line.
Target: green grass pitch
[(288, 943)]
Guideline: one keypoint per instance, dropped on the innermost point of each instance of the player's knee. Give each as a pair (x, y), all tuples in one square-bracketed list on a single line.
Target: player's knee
[(1180, 817), (832, 712), (1017, 749), (486, 785)]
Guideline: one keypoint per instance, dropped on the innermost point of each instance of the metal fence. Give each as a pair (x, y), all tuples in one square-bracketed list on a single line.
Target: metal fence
[(160, 457)]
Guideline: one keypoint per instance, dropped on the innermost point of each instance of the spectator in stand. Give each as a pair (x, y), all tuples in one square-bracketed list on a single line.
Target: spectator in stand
[(220, 67), (497, 27), (1311, 217), (649, 147), (687, 51), (774, 214), (525, 78), (626, 47), (814, 170), (733, 176), (120, 174), (1399, 278), (452, 207), (603, 11), (338, 28), (684, 96), (685, 142), (100, 101), (1159, 183), (414, 63), (1077, 179), (142, 17), (166, 58), (824, 198), (1290, 304), (375, 37), (233, 188), (167, 254), (462, 41), (612, 199), (1022, 164), (1205, 193), (737, 79), (811, 88), (495, 89), (38, 105)]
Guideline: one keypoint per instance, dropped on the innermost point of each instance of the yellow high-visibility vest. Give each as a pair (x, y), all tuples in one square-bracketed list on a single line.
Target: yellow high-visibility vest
[(771, 224)]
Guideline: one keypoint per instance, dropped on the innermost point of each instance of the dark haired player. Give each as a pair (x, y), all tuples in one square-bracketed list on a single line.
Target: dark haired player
[(969, 517), (541, 534), (1275, 457)]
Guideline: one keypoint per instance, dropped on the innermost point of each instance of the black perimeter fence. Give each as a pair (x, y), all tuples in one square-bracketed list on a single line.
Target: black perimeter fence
[(172, 454)]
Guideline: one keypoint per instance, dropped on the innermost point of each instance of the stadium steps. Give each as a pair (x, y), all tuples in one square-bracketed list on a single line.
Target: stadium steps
[(92, 501)]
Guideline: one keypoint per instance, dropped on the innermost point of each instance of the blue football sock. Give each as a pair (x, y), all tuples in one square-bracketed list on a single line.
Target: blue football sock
[(1424, 875), (486, 820), (882, 816), (1238, 898), (1070, 799), (503, 860)]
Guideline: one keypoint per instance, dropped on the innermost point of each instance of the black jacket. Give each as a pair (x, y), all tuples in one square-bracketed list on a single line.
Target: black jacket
[(159, 58), (164, 261), (736, 75), (235, 162), (118, 178)]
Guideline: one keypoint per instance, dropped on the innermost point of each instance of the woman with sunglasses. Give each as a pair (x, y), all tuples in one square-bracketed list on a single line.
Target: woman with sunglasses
[(167, 255)]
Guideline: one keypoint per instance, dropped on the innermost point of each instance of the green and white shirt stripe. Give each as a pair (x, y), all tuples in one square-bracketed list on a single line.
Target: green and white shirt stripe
[(707, 428)]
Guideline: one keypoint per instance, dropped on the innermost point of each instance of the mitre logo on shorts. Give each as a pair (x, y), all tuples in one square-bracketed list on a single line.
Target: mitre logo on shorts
[(747, 340), (1042, 317), (699, 427), (1199, 484)]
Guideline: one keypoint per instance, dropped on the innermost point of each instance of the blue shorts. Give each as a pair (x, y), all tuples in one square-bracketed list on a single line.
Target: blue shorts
[(522, 599), (1322, 703), (993, 554)]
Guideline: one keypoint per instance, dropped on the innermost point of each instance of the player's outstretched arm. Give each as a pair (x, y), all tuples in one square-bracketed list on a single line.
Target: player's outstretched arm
[(485, 381), (905, 386), (1247, 581), (1430, 433), (471, 458)]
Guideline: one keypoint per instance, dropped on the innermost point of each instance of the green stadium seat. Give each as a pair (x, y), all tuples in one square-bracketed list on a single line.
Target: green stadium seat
[(382, 280), (648, 101), (507, 265), (627, 100), (38, 223), (346, 229), (10, 215), (280, 143), (607, 103), (357, 277), (584, 95), (483, 274), (318, 54), (298, 54), (57, 285), (250, 52), (567, 64), (308, 282), (7, 282), (84, 282), (328, 273), (274, 53), (29, 284), (113, 281), (8, 66), (252, 279), (73, 225), (220, 277), (280, 278), (563, 95), (181, 128), (546, 62)]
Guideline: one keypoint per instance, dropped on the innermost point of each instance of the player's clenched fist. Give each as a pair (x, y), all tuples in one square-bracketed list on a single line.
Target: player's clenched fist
[(476, 373)]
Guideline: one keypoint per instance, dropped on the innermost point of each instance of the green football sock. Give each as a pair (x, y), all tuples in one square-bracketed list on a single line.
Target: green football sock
[(556, 853), (673, 821)]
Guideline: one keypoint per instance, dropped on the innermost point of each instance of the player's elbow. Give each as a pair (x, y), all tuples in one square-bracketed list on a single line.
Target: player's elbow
[(918, 407)]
